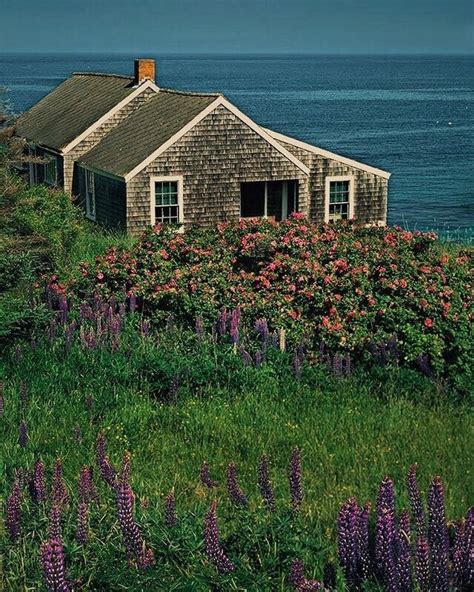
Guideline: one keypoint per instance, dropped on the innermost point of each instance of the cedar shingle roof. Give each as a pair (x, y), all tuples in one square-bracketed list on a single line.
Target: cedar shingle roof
[(72, 107), (145, 130)]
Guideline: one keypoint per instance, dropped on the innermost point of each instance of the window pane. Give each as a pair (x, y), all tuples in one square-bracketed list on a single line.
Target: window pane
[(252, 199)]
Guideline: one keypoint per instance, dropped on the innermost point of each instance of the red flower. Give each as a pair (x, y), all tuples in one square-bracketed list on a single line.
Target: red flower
[(428, 323)]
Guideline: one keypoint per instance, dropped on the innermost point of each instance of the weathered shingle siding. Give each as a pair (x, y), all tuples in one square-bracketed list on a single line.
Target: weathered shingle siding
[(214, 157), (94, 138), (44, 152), (110, 199), (370, 190)]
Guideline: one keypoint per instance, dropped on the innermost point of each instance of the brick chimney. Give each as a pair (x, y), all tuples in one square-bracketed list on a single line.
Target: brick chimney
[(144, 70)]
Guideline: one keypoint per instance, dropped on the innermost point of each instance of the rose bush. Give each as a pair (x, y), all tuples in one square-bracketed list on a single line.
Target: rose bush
[(345, 286)]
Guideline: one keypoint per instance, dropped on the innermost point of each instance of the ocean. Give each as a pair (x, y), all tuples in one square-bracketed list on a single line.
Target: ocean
[(410, 115)]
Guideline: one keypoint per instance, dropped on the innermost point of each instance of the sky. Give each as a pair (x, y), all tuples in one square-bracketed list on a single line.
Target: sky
[(237, 26)]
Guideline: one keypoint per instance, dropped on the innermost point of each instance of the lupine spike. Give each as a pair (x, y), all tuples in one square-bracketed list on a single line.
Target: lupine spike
[(59, 494), (171, 520), (385, 504), (264, 484), (404, 553), (107, 471), (458, 555), (363, 553), (298, 580), (38, 483), (348, 541), (13, 511), (438, 536), (205, 476), (132, 536), (23, 434), (385, 544), (82, 525), (294, 479), (422, 564), (54, 524), (53, 564), (468, 549), (212, 545), (86, 489), (233, 488), (415, 501)]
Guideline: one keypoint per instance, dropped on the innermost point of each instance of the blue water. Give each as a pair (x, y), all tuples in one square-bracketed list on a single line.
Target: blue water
[(392, 112)]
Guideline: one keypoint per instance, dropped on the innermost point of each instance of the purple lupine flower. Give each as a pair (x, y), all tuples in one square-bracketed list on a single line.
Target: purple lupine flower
[(296, 364), (23, 394), (122, 311), (422, 564), (416, 503), (403, 555), (54, 523), (222, 322), (385, 503), (212, 545), (296, 573), (234, 325), (53, 564), (2, 405), (199, 326), (82, 524), (348, 541), (259, 357), (21, 476), (264, 484), (86, 489), (63, 309), (205, 476), (233, 488), (298, 580), (294, 479), (458, 555), (132, 302), (261, 326), (363, 540), (468, 549), (171, 520), (23, 434), (132, 536), (438, 536), (59, 494), (385, 543), (107, 471), (246, 357), (13, 511), (38, 483)]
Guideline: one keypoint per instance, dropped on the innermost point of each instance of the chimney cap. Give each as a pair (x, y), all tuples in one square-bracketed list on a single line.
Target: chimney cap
[(144, 70)]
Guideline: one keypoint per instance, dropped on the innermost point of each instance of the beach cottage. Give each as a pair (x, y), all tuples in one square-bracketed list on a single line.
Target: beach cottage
[(133, 154)]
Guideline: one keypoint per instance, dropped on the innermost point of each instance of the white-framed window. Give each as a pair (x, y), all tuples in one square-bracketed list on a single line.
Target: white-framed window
[(166, 200), (51, 170), (268, 199), (339, 199), (90, 194)]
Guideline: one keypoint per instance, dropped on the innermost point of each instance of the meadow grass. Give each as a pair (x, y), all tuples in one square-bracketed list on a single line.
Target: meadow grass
[(351, 433)]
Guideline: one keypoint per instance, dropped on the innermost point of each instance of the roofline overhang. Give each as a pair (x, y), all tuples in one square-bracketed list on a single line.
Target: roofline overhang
[(87, 167), (221, 100), (326, 154)]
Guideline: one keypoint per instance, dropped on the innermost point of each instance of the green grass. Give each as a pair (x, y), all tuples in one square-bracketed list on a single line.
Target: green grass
[(351, 433)]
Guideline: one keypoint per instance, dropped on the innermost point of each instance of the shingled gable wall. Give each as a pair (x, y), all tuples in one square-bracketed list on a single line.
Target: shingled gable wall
[(214, 157), (370, 190), (94, 137)]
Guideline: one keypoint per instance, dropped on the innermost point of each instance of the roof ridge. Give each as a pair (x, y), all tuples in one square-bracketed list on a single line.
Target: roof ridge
[(105, 74), (190, 92)]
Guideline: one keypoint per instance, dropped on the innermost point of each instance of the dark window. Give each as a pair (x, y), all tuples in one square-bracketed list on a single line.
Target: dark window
[(166, 202), (272, 199), (51, 170), (252, 200), (339, 196)]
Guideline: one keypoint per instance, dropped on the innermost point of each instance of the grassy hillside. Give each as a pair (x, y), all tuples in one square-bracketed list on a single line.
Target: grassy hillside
[(176, 382)]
